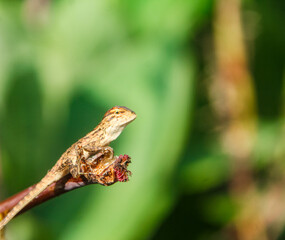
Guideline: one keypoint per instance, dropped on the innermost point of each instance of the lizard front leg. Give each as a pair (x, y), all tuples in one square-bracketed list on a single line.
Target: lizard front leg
[(97, 152), (84, 152)]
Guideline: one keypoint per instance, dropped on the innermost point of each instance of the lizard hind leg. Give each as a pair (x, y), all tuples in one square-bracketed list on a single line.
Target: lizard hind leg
[(74, 171), (75, 168)]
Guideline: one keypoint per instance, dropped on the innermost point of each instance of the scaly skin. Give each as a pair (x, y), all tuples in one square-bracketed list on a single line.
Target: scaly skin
[(94, 144)]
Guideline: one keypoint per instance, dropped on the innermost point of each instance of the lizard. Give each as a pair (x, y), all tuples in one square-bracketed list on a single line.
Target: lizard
[(93, 145)]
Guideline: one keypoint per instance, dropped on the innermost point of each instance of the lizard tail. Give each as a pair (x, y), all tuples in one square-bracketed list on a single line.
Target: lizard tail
[(42, 185)]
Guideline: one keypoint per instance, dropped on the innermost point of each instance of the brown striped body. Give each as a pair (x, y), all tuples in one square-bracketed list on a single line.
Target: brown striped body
[(111, 126)]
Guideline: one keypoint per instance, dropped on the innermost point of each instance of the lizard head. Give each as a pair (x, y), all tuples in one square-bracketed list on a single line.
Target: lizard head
[(115, 120)]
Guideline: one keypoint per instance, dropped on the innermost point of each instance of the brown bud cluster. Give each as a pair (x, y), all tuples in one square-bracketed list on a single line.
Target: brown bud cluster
[(106, 171)]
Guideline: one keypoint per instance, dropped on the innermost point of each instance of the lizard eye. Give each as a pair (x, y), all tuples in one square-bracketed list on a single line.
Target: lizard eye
[(117, 112)]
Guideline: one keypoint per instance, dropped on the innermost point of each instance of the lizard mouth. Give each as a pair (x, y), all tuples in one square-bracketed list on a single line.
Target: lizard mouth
[(129, 121)]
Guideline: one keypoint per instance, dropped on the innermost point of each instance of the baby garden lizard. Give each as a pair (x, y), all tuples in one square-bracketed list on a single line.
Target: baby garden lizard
[(94, 144)]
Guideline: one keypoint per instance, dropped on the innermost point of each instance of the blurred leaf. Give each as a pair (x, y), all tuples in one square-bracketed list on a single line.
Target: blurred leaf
[(204, 174), (219, 209)]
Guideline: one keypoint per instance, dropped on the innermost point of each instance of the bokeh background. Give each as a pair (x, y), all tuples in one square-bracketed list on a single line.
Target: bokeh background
[(206, 81)]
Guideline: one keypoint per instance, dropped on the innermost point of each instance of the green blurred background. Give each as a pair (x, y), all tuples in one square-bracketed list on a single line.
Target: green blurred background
[(206, 81)]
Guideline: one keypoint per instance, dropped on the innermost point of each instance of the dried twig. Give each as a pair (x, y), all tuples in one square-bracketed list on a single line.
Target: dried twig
[(105, 172)]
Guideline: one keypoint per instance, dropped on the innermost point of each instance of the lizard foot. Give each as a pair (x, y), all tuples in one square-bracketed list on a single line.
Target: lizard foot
[(74, 171)]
